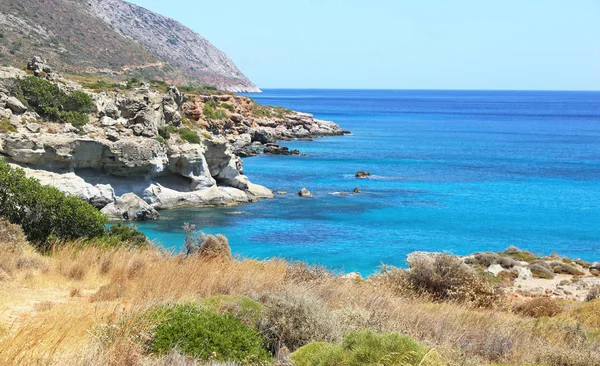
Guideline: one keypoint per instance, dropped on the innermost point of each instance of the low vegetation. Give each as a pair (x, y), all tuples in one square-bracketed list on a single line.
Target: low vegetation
[(115, 299), (50, 101), (6, 126)]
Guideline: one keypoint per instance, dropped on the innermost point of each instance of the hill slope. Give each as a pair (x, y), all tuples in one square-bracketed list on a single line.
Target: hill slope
[(113, 37)]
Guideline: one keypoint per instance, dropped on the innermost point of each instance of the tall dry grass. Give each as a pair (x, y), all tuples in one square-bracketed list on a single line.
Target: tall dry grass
[(111, 286)]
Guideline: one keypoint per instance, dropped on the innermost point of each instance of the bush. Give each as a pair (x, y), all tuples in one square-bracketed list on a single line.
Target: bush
[(541, 270), (593, 293), (166, 131), (446, 278), (241, 307), (228, 106), (189, 136), (206, 246), (44, 211), (6, 127), (48, 100), (565, 268), (294, 320), (539, 307), (521, 255), (483, 259), (128, 234), (206, 336), (208, 111), (366, 348)]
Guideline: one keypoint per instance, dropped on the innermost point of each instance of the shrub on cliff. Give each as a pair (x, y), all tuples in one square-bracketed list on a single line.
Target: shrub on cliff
[(206, 336), (366, 348), (189, 136), (44, 211), (49, 100)]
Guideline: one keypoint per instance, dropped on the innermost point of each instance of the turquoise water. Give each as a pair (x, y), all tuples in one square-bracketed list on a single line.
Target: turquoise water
[(457, 171)]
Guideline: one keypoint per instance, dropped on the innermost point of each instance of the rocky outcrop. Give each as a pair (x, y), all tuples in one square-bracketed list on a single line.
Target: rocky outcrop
[(118, 152), (252, 128), (130, 207)]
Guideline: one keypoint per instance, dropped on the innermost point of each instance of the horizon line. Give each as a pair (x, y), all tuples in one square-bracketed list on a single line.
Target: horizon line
[(428, 89)]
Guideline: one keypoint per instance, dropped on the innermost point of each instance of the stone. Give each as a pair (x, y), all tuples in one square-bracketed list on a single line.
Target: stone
[(107, 121), (304, 193), (33, 127), (595, 266), (416, 257), (113, 135), (15, 105), (5, 113), (494, 269), (38, 65), (352, 276), (130, 207), (356, 190), (524, 273), (70, 128), (362, 174)]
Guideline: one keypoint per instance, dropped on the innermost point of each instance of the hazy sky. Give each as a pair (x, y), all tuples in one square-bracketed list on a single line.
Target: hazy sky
[(417, 44)]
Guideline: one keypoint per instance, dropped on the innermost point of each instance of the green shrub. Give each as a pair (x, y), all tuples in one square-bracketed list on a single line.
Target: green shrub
[(202, 334), (208, 111), (220, 114), (366, 348), (241, 307), (228, 106), (294, 320), (44, 211), (127, 234), (165, 131), (161, 140), (6, 127), (48, 100), (189, 136), (565, 268), (521, 255)]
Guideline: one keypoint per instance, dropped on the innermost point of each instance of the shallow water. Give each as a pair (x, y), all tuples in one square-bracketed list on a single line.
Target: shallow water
[(458, 171)]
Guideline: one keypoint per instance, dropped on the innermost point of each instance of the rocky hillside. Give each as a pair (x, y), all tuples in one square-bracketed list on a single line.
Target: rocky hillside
[(113, 38), (133, 148)]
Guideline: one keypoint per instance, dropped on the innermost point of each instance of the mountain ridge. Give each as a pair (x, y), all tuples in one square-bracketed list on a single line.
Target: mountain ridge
[(113, 38)]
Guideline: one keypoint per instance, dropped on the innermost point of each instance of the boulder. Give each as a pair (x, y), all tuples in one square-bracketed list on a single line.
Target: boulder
[(5, 113), (356, 190), (33, 127), (524, 273), (15, 105), (494, 269), (130, 207), (107, 121), (362, 174), (416, 257), (38, 65), (304, 193)]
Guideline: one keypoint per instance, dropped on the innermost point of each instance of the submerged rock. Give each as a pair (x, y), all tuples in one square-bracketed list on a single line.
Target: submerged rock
[(362, 174)]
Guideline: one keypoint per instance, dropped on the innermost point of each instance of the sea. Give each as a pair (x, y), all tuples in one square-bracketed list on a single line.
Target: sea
[(451, 171)]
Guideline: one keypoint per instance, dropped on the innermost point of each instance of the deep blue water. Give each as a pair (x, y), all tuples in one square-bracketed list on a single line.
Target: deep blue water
[(457, 171)]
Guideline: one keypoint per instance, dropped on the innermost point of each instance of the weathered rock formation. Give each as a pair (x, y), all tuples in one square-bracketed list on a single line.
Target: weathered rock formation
[(119, 152)]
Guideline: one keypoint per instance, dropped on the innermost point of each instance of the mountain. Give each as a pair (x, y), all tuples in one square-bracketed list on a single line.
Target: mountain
[(113, 38)]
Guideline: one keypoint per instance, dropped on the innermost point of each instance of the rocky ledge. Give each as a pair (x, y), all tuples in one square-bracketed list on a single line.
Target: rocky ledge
[(142, 149)]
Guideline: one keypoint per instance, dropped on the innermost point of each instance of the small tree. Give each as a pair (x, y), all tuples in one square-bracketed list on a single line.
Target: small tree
[(193, 239)]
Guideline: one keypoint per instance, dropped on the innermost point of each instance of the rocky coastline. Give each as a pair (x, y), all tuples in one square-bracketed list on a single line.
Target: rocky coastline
[(157, 149)]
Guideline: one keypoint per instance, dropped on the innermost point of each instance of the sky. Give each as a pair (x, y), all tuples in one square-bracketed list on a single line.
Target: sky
[(402, 44)]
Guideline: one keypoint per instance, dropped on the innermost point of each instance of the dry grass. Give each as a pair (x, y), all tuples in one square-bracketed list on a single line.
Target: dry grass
[(91, 289)]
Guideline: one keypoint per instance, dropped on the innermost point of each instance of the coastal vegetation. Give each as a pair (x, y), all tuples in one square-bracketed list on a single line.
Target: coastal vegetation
[(138, 304)]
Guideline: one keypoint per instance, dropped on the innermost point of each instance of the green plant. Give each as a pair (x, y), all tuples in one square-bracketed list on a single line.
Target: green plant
[(519, 254), (128, 234), (366, 348), (161, 140), (241, 307), (166, 131), (44, 211), (190, 136), (294, 320), (6, 127), (204, 335), (49, 100), (228, 106), (220, 114), (209, 111)]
